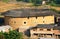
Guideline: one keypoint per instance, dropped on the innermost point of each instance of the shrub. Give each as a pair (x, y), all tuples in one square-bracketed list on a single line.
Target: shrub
[(11, 35), (1, 35)]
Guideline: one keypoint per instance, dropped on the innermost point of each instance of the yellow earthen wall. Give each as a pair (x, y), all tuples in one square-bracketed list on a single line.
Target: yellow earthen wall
[(32, 21)]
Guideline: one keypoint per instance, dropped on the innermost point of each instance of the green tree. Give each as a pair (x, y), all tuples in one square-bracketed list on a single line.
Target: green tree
[(35, 2), (15, 35), (57, 1), (6, 35), (1, 35), (54, 2), (11, 35)]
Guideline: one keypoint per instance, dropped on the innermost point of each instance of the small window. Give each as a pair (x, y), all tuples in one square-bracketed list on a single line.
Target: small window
[(41, 35), (35, 34), (36, 17), (48, 29), (35, 29), (28, 17), (43, 17), (43, 21), (24, 22), (41, 29)]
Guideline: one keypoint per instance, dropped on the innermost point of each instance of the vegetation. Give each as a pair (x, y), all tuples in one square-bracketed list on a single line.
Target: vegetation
[(5, 0), (54, 2), (11, 35), (38, 2), (34, 2), (7, 6)]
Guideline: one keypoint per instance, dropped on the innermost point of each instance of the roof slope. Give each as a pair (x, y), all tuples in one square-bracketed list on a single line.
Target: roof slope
[(47, 26), (29, 12)]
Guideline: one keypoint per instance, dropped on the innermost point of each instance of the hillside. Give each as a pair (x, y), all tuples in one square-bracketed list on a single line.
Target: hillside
[(7, 6)]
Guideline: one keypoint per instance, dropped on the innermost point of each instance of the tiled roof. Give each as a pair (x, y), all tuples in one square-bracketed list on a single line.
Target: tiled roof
[(5, 27), (57, 28), (29, 12), (47, 26)]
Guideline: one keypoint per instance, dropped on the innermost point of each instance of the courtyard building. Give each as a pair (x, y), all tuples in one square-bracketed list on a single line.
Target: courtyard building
[(44, 20), (45, 31)]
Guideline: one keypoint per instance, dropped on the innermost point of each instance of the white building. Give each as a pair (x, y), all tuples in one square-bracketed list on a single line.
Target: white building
[(5, 28)]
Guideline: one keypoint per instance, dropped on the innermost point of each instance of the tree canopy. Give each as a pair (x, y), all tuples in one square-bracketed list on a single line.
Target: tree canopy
[(54, 2), (11, 35), (38, 2)]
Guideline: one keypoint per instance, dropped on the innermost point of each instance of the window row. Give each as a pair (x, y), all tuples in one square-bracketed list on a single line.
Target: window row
[(41, 29), (26, 22)]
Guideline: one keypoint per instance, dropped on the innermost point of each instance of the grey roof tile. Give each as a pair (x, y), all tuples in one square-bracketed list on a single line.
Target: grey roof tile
[(47, 26), (29, 12)]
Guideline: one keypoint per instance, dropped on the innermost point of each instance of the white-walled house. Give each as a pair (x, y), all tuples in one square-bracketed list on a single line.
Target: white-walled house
[(5, 28)]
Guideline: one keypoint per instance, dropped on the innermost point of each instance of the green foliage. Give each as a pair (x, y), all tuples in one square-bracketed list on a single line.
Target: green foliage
[(1, 35), (34, 2), (11, 35), (37, 2), (54, 2), (5, 0)]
